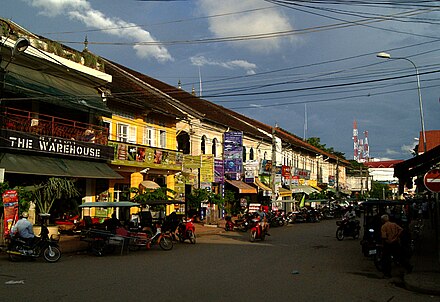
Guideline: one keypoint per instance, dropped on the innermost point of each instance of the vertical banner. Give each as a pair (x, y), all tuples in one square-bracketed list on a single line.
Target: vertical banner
[(207, 168), (219, 171), (233, 153), (10, 206)]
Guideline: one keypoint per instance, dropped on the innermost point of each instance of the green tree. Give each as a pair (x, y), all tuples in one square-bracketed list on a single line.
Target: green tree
[(46, 193), (378, 190), (143, 197)]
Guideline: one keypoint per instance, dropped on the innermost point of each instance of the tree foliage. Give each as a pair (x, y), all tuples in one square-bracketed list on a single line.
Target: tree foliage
[(316, 142), (53, 189)]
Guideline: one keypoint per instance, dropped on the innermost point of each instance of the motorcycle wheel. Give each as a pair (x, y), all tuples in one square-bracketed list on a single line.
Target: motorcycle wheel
[(356, 234), (192, 237), (133, 244), (52, 254), (378, 262), (252, 235), (166, 243), (227, 227), (340, 234)]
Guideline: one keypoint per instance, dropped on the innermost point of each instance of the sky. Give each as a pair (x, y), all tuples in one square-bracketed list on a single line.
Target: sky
[(309, 67)]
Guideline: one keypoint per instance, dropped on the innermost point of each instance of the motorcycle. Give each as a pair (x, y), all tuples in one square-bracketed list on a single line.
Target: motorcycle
[(369, 244), (347, 228), (147, 239), (239, 224), (18, 248), (187, 230), (256, 231)]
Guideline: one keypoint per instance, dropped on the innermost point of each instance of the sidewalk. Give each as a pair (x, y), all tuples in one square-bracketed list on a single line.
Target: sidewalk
[(425, 277), (72, 244)]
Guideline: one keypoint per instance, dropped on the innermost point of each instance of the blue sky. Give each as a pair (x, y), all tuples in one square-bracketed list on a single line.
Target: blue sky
[(272, 62)]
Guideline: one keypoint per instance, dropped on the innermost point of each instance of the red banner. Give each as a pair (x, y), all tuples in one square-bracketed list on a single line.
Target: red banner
[(10, 204)]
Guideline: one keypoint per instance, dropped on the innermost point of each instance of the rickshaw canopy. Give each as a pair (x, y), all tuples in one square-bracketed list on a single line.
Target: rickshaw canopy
[(104, 204)]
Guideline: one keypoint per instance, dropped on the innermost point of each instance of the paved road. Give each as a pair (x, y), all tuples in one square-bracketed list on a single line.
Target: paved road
[(225, 267)]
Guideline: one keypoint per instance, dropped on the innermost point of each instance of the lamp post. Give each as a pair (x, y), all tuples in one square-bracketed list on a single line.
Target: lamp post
[(385, 55)]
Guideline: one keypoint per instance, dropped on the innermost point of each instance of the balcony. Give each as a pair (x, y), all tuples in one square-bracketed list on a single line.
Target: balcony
[(46, 125)]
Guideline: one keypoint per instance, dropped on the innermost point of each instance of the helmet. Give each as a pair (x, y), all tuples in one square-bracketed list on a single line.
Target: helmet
[(25, 214)]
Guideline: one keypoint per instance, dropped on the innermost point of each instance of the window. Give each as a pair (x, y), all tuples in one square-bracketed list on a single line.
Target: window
[(244, 154), (126, 133), (108, 126), (214, 147), (203, 145), (251, 154), (163, 138), (149, 137)]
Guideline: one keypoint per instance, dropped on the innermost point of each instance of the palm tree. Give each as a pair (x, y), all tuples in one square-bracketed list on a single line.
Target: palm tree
[(46, 193)]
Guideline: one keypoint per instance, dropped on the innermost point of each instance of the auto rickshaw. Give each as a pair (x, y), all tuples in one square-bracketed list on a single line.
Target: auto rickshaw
[(372, 210)]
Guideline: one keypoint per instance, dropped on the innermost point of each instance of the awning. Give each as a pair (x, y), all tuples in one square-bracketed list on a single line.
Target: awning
[(261, 185), (53, 166), (242, 187), (105, 204), (284, 192), (317, 188), (303, 189)]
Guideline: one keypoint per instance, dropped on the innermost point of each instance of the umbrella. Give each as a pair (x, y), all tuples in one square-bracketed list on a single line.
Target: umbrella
[(149, 184)]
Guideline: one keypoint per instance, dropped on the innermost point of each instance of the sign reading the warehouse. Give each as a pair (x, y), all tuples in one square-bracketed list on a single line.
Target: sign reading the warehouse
[(45, 144)]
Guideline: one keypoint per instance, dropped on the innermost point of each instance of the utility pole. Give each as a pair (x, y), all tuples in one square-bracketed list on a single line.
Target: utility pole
[(337, 177), (274, 158)]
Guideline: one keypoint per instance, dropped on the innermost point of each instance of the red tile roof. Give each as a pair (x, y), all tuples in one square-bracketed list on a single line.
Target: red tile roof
[(432, 140), (383, 164)]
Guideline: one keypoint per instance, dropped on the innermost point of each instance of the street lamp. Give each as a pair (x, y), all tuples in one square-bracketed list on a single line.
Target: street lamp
[(385, 55)]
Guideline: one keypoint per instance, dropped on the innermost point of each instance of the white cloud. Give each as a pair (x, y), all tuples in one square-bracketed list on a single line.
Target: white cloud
[(81, 10), (233, 64), (248, 23)]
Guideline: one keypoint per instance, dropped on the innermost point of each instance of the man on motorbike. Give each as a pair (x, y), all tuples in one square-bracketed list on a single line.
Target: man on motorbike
[(261, 215), (24, 229), (350, 215)]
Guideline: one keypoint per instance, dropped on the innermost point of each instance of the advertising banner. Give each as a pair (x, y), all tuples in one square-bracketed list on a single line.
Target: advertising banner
[(207, 169), (219, 171), (233, 152), (10, 206)]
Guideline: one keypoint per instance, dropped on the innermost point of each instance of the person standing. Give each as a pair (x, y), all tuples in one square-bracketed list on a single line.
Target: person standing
[(391, 233)]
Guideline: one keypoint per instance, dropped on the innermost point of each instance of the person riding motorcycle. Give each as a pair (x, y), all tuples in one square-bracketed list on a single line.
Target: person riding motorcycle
[(262, 220), (350, 216), (24, 229)]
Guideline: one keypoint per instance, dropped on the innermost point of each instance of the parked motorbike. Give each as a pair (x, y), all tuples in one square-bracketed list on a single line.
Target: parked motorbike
[(256, 231), (187, 230), (242, 224), (146, 239), (369, 244), (19, 248), (347, 228)]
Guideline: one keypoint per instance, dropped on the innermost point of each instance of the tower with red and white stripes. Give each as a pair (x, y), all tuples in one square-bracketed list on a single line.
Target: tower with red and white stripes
[(355, 142), (361, 149)]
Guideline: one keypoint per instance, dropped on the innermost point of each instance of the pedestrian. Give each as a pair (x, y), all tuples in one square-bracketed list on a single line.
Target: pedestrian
[(391, 233)]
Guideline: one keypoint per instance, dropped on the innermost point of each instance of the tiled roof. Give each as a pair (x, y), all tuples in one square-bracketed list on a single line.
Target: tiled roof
[(432, 140), (212, 112), (129, 88), (383, 164)]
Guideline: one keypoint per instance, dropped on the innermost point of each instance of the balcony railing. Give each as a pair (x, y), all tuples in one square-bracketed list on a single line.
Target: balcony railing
[(41, 124)]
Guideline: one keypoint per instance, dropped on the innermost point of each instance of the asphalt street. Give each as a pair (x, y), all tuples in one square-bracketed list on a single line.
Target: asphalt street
[(300, 262)]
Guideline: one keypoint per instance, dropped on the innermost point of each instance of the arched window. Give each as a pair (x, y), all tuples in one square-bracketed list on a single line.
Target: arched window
[(214, 147), (265, 155), (183, 143), (203, 145), (244, 154), (251, 154)]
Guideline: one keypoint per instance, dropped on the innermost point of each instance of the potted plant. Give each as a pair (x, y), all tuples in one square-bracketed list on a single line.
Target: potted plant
[(46, 193)]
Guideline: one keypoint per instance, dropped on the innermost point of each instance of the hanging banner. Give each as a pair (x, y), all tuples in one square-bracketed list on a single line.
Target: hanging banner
[(207, 169), (233, 152), (219, 171), (10, 206)]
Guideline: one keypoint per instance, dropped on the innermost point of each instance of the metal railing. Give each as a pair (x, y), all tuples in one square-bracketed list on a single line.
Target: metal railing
[(42, 124)]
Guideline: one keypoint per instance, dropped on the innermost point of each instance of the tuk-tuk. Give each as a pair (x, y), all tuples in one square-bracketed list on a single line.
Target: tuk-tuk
[(372, 210)]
